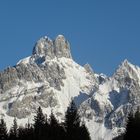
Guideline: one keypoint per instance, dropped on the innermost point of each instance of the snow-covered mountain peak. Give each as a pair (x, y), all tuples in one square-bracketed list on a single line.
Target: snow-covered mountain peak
[(48, 48), (126, 69), (50, 78), (125, 63)]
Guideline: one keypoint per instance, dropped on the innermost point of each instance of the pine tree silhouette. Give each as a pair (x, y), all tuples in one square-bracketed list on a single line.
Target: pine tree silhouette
[(72, 124), (71, 129), (84, 132), (56, 130), (132, 127), (39, 121), (13, 134), (21, 133), (3, 130)]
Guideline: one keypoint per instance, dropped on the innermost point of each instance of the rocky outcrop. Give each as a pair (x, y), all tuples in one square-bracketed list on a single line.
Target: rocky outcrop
[(60, 47)]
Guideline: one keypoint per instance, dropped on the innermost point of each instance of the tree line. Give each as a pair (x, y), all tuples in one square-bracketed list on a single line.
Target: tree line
[(48, 129), (132, 127)]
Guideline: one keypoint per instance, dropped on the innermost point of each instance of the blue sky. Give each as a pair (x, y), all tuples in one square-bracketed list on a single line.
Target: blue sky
[(101, 32)]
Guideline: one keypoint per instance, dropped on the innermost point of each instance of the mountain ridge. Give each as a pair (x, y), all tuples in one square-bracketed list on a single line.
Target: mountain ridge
[(50, 78)]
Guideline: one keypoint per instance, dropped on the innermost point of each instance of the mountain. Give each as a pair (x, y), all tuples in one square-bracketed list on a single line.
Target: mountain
[(50, 78)]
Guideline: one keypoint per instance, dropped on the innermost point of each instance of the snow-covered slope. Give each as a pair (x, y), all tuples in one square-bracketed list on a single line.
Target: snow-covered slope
[(50, 78)]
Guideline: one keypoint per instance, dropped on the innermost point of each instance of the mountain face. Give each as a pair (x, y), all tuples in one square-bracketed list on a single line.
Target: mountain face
[(50, 78)]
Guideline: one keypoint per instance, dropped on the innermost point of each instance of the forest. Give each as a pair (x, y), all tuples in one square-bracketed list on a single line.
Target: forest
[(48, 129), (132, 127)]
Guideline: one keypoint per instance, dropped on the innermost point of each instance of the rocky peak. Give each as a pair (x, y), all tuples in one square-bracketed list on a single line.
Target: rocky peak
[(126, 72), (46, 47), (88, 68), (62, 47), (124, 68), (42, 45), (125, 63)]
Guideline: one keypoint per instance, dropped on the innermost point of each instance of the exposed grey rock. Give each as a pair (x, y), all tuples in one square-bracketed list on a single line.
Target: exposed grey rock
[(125, 73), (8, 79), (46, 47), (23, 108), (20, 109), (62, 47)]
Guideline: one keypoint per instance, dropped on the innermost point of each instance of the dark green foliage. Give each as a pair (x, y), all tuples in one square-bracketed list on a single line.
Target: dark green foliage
[(26, 133), (132, 128), (3, 130), (84, 133), (39, 121), (56, 131), (13, 134), (72, 122), (42, 129), (74, 131)]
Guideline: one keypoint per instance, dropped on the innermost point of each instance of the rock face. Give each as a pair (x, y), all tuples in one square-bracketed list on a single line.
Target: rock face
[(62, 47), (58, 48), (50, 78)]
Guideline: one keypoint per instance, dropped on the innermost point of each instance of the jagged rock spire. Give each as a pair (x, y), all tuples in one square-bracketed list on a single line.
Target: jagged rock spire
[(62, 47), (126, 69), (46, 47), (42, 45)]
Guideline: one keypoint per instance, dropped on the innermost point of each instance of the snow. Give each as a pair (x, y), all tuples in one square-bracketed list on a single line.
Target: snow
[(98, 131), (25, 60), (136, 70), (76, 82), (77, 85)]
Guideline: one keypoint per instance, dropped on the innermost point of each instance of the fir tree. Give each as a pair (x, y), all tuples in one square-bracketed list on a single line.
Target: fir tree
[(13, 134), (72, 124), (42, 130), (129, 128), (39, 121), (56, 130), (29, 132), (84, 133), (45, 129), (21, 133), (3, 130), (132, 127)]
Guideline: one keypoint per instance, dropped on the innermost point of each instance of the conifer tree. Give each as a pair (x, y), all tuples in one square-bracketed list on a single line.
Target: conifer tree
[(129, 127), (39, 121), (84, 133), (71, 129), (72, 124), (56, 130), (46, 129), (29, 132), (3, 130), (13, 134), (22, 133), (132, 127)]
